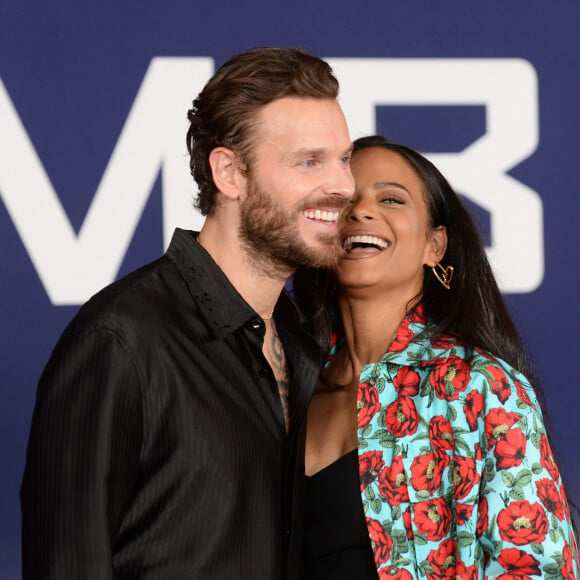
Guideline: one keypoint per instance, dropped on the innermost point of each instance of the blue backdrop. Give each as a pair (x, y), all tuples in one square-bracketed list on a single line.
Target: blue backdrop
[(93, 173)]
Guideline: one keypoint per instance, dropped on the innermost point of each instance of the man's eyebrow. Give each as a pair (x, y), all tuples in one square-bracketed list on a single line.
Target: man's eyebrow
[(350, 150), (305, 152), (312, 152)]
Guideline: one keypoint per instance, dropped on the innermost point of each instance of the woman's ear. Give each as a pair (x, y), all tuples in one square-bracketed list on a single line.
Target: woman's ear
[(226, 173), (436, 246)]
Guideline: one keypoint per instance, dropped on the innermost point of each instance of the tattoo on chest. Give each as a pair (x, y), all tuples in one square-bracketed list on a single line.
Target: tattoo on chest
[(274, 353)]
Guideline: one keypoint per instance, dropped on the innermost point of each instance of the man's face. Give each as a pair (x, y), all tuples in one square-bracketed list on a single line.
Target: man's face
[(298, 183)]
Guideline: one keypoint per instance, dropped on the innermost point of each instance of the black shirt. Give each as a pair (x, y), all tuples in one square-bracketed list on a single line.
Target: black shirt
[(158, 447), (336, 539)]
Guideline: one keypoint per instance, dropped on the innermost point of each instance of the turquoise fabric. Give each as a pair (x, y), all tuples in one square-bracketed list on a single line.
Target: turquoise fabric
[(457, 476)]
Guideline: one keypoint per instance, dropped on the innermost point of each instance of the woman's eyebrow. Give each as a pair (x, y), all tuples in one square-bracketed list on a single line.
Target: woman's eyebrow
[(387, 184)]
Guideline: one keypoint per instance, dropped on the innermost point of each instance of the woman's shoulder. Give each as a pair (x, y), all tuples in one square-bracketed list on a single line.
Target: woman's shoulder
[(457, 371)]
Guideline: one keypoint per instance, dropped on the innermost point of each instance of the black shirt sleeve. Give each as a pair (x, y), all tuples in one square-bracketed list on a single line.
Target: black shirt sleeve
[(85, 441)]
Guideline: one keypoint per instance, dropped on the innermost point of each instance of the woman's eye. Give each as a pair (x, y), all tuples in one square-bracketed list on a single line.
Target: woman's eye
[(391, 199)]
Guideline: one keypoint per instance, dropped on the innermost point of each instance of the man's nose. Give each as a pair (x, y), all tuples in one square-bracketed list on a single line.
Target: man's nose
[(341, 182)]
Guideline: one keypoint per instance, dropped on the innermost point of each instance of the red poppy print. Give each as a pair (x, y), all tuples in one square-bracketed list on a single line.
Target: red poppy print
[(450, 377), (465, 476), (408, 523), (463, 513), (523, 523), (443, 561), (523, 395), (380, 542), (441, 433), (550, 497), (466, 572), (518, 564), (369, 397), (444, 342), (402, 339), (547, 458), (458, 487), (394, 573), (498, 423), (567, 569), (417, 314), (511, 450), (427, 470), (401, 417), (369, 466), (332, 346), (432, 518), (472, 408), (393, 482), (406, 382), (500, 386), (482, 517)]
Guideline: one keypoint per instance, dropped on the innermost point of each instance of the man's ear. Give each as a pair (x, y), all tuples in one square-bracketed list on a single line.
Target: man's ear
[(436, 246), (226, 173)]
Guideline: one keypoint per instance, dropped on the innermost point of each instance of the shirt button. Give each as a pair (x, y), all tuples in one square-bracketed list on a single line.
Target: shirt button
[(255, 324), (372, 382)]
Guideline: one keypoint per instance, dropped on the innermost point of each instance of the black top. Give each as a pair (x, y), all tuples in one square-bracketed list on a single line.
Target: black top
[(158, 447), (336, 541)]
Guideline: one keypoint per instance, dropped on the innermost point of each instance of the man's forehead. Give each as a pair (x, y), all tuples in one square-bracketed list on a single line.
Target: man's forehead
[(287, 111), (303, 123)]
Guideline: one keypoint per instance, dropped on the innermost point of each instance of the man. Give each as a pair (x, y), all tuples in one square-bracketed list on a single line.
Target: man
[(169, 419)]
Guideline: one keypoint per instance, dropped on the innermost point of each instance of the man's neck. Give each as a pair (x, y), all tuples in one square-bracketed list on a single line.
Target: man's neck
[(259, 289)]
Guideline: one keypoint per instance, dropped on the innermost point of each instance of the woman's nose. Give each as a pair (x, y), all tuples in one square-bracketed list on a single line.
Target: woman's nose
[(360, 210)]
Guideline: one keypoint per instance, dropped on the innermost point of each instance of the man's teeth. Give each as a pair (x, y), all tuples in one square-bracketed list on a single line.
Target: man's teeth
[(320, 214), (367, 240)]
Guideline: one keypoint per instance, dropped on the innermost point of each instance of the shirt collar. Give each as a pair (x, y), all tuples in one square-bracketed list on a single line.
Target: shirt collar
[(413, 343), (416, 344), (220, 304)]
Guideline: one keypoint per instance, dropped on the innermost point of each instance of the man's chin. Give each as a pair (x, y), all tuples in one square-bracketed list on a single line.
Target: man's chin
[(324, 255)]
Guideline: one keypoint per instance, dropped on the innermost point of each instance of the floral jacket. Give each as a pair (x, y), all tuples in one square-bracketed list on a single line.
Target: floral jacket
[(456, 473)]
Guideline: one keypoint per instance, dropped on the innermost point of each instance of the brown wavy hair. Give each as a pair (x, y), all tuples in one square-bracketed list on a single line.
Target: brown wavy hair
[(224, 112)]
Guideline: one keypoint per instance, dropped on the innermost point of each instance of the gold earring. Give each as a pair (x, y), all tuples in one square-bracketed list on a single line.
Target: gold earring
[(444, 275)]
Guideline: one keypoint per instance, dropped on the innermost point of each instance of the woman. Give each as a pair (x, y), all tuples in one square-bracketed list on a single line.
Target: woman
[(424, 434)]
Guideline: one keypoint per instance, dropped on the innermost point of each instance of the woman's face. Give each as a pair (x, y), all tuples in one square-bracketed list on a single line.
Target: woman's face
[(385, 233)]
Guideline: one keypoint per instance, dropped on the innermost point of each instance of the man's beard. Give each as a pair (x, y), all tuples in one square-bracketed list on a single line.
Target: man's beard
[(271, 235)]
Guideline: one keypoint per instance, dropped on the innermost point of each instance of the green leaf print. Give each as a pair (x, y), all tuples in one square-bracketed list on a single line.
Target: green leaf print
[(465, 539), (552, 568), (426, 568), (517, 493), (508, 478), (537, 468), (523, 477), (537, 548), (452, 413)]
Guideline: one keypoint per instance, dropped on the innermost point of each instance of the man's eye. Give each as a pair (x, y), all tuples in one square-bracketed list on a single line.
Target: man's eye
[(309, 163), (345, 160)]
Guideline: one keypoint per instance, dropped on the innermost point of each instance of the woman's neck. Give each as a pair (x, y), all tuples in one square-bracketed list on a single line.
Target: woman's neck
[(370, 325)]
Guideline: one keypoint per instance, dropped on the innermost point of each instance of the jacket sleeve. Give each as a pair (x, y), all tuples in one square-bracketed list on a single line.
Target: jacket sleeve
[(82, 459), (524, 519)]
